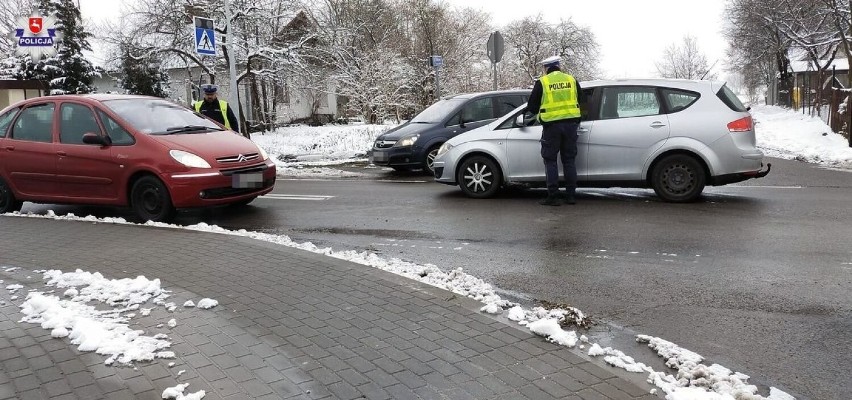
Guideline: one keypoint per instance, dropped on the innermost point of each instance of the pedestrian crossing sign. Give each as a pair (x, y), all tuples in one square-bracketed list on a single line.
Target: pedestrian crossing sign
[(205, 37)]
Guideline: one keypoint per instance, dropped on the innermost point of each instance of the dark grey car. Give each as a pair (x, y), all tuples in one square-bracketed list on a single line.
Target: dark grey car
[(414, 144)]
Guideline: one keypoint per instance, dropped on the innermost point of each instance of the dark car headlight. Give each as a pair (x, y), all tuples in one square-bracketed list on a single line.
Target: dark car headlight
[(407, 141)]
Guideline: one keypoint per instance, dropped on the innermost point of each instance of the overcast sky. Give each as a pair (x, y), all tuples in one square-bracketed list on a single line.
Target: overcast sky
[(632, 34)]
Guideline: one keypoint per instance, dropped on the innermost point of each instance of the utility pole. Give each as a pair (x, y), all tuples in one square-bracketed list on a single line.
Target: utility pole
[(234, 92)]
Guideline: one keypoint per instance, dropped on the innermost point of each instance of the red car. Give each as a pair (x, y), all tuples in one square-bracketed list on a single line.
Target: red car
[(147, 153)]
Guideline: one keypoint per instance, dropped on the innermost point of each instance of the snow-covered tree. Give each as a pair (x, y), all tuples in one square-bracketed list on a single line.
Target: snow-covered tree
[(458, 35), (68, 71), (532, 39), (360, 41), (756, 49), (268, 44), (142, 75), (684, 61), (10, 12)]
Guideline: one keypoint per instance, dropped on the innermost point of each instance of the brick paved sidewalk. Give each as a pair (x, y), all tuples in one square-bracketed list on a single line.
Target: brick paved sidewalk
[(290, 324)]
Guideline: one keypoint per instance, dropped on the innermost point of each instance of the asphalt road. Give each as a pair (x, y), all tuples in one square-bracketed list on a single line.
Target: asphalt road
[(755, 277)]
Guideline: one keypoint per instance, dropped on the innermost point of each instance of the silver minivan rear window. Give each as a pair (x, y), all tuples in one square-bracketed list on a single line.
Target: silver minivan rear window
[(730, 99)]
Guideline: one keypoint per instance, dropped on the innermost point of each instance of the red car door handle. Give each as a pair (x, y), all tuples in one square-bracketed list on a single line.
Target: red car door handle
[(61, 153), (10, 148)]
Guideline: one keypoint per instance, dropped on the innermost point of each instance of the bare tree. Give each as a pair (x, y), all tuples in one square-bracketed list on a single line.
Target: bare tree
[(531, 40), (685, 61), (269, 44), (756, 47), (808, 25)]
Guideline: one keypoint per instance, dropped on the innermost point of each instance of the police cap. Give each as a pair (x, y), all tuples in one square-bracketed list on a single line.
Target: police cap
[(550, 61), (209, 88)]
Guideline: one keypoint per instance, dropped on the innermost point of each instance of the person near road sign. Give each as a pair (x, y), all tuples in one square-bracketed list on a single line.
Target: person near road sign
[(555, 101), (215, 109)]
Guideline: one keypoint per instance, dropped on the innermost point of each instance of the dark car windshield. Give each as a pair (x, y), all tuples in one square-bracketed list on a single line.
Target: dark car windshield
[(159, 117), (437, 112)]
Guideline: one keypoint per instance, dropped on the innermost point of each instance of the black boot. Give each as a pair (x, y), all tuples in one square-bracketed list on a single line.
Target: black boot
[(552, 199), (568, 197)]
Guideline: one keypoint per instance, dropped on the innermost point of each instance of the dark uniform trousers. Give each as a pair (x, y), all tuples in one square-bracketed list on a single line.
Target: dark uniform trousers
[(560, 137)]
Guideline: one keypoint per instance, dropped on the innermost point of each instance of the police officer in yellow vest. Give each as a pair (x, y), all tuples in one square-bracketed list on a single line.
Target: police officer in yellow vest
[(215, 109), (555, 100)]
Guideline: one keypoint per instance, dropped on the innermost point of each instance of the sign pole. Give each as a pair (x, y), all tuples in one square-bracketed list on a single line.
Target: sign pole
[(494, 48), (437, 62), (234, 91), (437, 83), (494, 68)]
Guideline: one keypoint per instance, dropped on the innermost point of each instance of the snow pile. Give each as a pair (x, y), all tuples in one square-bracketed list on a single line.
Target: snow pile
[(549, 328), (110, 291), (176, 392), (784, 133), (563, 314), (618, 359), (105, 332), (13, 288), (694, 380), (206, 304)]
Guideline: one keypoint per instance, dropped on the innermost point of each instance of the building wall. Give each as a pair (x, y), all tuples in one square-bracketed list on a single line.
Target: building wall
[(12, 96)]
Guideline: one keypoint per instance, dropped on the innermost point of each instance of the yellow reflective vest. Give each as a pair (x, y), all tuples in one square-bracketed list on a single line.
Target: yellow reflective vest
[(558, 97), (223, 107)]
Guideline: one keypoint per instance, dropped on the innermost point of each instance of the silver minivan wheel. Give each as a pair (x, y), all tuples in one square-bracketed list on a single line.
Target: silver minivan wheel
[(678, 178), (479, 177)]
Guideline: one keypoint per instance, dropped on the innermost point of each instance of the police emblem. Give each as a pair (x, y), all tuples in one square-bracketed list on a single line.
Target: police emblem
[(36, 24), (36, 35)]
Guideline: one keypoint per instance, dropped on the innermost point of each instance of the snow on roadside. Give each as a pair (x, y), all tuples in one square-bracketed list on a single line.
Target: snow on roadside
[(320, 143), (305, 151), (694, 380), (784, 133)]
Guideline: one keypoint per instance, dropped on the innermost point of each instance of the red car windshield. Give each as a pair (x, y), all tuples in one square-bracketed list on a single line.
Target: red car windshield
[(160, 117)]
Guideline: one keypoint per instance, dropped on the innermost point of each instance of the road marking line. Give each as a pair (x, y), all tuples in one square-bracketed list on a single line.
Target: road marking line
[(308, 197), (353, 180), (761, 187)]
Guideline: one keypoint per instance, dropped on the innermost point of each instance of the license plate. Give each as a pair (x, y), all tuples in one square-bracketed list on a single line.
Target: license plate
[(247, 181), (380, 157)]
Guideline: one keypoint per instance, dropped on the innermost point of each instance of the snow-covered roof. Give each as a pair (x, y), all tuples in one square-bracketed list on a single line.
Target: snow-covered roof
[(842, 64)]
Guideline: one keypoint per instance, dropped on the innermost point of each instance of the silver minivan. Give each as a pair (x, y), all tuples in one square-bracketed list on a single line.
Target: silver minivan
[(675, 136)]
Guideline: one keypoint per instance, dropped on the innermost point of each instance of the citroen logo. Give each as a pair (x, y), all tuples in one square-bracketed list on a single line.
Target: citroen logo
[(241, 158)]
